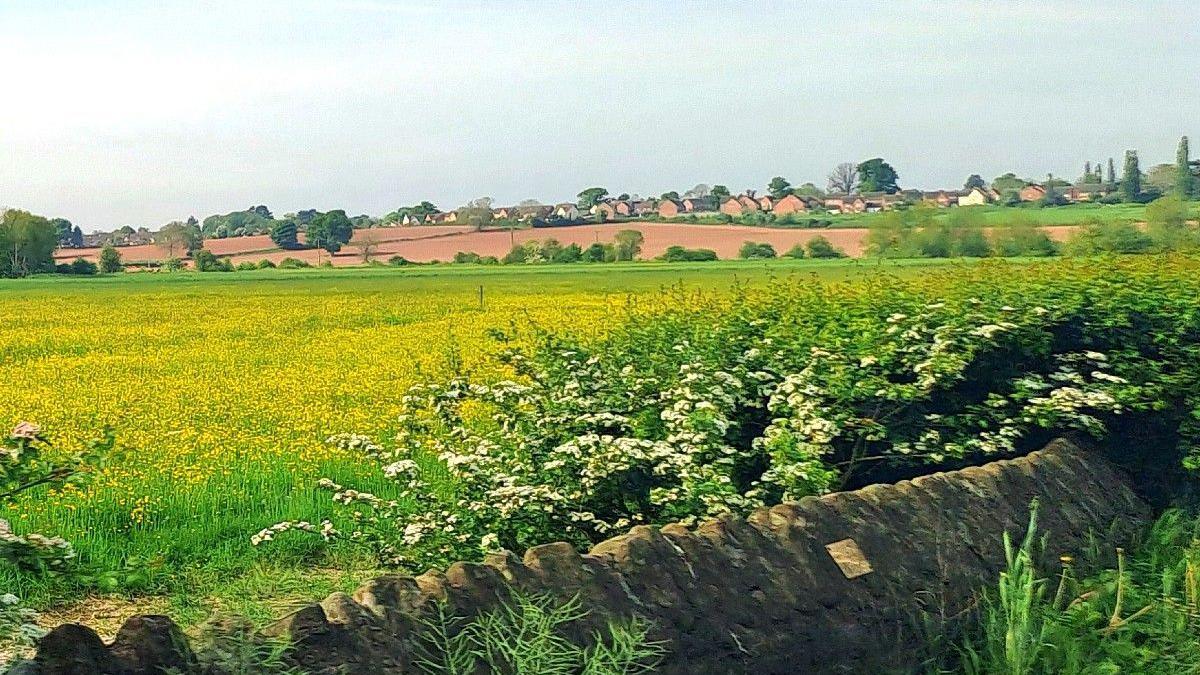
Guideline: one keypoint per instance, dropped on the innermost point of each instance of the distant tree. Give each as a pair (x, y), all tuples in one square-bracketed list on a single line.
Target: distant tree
[(77, 237), (699, 191), (1053, 197), (808, 190), (1112, 174), (844, 179), (779, 187), (598, 252), (876, 175), (1131, 182), (974, 181), (27, 244), (81, 267), (624, 196), (1087, 173), (820, 247), (1185, 182), (207, 261), (529, 202), (64, 229), (629, 244), (285, 234), (477, 212), (1162, 178), (720, 192), (110, 260), (221, 232), (756, 251), (330, 231), (179, 238), (367, 244), (589, 197), (670, 195), (1008, 183)]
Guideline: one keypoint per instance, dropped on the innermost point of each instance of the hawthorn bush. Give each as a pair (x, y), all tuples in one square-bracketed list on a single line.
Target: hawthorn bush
[(696, 404)]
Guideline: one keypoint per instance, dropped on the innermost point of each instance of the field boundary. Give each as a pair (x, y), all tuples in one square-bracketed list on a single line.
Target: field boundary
[(836, 581)]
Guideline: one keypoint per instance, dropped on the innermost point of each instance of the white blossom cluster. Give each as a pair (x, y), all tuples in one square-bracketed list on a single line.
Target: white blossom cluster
[(577, 446)]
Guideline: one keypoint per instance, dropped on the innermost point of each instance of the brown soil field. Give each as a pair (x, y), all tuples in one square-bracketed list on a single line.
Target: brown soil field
[(429, 243)]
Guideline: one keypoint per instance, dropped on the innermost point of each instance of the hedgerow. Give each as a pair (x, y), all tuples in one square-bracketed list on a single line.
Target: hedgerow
[(698, 405)]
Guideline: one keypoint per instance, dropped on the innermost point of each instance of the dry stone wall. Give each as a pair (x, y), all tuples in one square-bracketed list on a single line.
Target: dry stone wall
[(830, 584)]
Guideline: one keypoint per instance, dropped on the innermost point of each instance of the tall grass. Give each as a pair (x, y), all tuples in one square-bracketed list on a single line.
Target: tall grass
[(527, 636), (1143, 616)]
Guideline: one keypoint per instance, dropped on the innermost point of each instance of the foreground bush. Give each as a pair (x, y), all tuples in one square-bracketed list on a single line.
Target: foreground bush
[(701, 406), (682, 254)]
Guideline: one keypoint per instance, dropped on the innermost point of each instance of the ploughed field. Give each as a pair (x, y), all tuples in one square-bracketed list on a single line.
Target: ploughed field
[(430, 243), (222, 390)]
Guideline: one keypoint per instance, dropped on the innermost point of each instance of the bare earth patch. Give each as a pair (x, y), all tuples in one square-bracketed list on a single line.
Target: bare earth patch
[(429, 243)]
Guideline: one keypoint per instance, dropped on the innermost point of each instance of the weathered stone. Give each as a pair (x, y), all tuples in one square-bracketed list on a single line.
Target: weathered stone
[(759, 594), (150, 645), (72, 649)]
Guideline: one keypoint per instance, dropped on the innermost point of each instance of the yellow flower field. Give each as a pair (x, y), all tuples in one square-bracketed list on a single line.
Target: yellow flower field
[(222, 388)]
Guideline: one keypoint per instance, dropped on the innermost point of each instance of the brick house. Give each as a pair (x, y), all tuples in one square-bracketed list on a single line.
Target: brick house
[(700, 204), (644, 207), (733, 206), (846, 203), (974, 197), (503, 213), (749, 202), (941, 198), (789, 204), (670, 208), (567, 211), (766, 203), (605, 210), (1032, 192), (1085, 192), (623, 208), (527, 213)]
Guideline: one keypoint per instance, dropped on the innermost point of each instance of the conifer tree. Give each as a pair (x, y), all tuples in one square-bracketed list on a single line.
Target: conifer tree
[(1131, 181), (1184, 181)]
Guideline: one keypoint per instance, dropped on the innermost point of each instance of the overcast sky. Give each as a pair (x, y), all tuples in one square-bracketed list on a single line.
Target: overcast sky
[(129, 112)]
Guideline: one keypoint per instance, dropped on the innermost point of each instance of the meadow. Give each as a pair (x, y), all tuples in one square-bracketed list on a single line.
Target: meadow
[(222, 389)]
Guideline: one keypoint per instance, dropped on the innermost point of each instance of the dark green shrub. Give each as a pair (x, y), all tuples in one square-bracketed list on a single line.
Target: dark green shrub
[(681, 254), (756, 251), (78, 267), (820, 247), (110, 260), (293, 264), (207, 261), (599, 252)]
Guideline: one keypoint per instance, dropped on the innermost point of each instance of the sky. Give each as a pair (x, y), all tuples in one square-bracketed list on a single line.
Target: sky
[(141, 112)]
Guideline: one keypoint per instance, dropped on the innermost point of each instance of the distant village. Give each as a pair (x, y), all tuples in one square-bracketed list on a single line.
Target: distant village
[(749, 202), (727, 208), (867, 187)]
